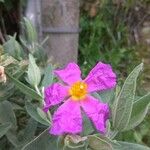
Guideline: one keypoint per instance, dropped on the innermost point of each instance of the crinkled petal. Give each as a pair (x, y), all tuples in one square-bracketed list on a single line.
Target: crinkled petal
[(70, 74), (101, 77), (54, 94), (97, 111), (67, 119)]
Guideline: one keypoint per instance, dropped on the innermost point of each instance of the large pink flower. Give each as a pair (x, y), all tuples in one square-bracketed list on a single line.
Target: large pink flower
[(76, 94)]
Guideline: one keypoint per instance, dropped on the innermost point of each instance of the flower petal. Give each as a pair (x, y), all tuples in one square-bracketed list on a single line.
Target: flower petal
[(54, 94), (67, 119), (101, 77), (70, 74), (98, 112)]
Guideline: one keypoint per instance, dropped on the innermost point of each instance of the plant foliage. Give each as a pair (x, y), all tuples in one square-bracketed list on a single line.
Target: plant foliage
[(25, 126)]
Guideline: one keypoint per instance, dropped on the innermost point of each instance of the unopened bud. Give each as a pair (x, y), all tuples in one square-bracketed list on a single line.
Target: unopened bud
[(2, 74)]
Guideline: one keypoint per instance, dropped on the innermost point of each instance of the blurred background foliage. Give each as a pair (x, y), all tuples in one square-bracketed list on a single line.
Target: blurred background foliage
[(118, 32), (113, 31)]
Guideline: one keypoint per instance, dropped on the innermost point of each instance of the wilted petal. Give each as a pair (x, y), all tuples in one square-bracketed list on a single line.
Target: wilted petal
[(70, 74), (98, 112), (101, 77), (54, 94), (67, 119)]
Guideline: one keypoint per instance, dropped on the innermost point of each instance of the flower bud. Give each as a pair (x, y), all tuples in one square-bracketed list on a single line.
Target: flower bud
[(2, 74)]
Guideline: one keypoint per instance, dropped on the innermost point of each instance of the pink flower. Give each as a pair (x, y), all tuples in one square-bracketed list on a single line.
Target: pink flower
[(76, 94)]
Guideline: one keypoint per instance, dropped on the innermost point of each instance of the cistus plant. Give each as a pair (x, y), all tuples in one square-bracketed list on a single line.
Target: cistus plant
[(39, 112), (58, 109)]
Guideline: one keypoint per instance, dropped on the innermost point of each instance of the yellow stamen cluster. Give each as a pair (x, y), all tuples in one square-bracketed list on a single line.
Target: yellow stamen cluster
[(78, 90)]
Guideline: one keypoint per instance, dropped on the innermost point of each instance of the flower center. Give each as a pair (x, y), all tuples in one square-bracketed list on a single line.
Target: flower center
[(78, 90)]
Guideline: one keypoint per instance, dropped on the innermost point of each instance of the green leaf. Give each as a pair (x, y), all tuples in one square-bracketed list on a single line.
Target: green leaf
[(75, 147), (7, 114), (13, 48), (99, 143), (123, 104), (4, 128), (129, 146), (42, 114), (25, 89), (29, 131), (6, 90), (34, 74), (87, 125), (48, 76), (107, 96), (32, 111), (30, 31), (12, 137), (25, 136), (42, 142), (139, 111)]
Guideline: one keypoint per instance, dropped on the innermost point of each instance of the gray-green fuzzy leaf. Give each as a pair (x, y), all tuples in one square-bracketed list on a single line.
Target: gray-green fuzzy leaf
[(12, 137), (25, 89), (129, 146), (34, 74), (6, 90), (41, 114), (4, 128), (32, 111), (24, 137), (139, 111), (107, 96), (123, 104), (29, 131), (87, 125), (42, 142), (48, 76), (30, 31), (99, 143), (13, 48), (7, 114)]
